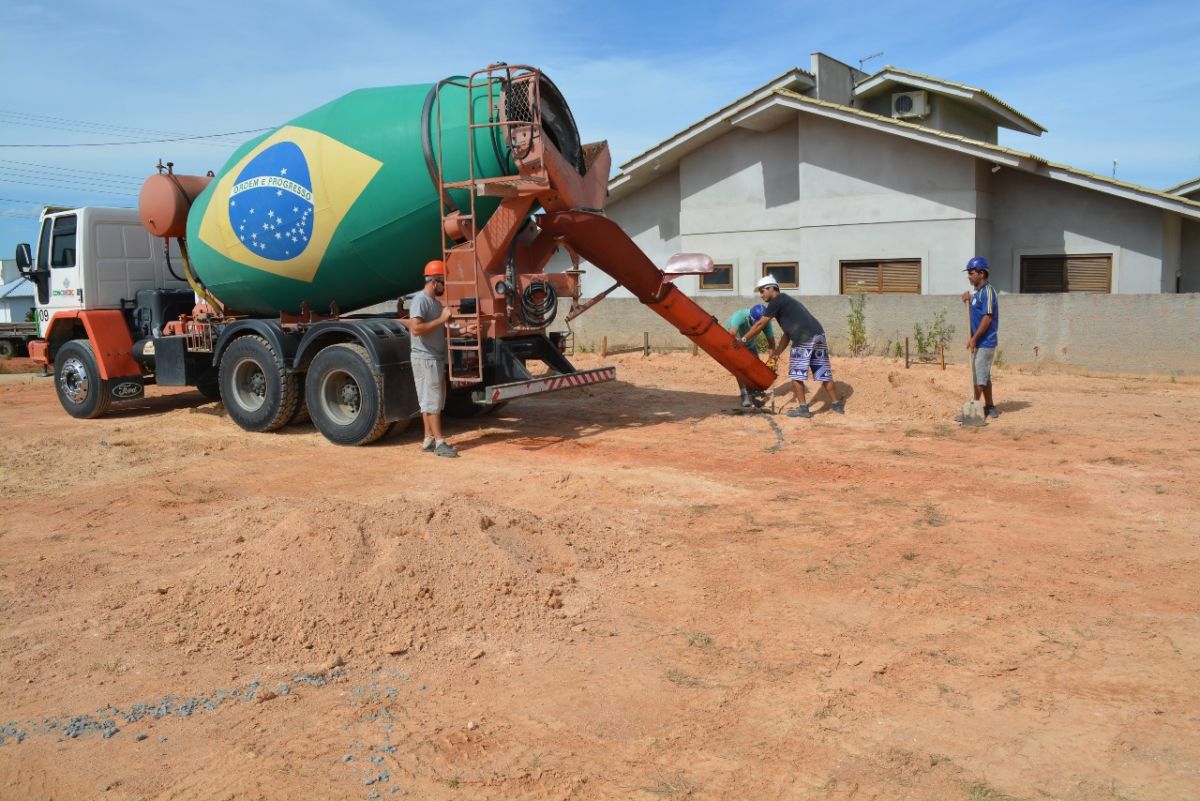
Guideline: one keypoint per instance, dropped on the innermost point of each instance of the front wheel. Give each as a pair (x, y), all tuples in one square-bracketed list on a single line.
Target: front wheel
[(81, 390), (345, 396), (258, 391)]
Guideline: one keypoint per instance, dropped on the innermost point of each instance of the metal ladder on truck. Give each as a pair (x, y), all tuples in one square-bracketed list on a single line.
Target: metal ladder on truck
[(466, 327)]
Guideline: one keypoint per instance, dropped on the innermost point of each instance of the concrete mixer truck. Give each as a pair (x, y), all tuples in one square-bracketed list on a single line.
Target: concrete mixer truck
[(243, 283)]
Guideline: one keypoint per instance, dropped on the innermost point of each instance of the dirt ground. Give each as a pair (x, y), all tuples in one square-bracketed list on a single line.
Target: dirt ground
[(624, 592)]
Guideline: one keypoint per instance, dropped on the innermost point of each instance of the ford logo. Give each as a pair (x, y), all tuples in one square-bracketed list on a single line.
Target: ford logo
[(126, 390)]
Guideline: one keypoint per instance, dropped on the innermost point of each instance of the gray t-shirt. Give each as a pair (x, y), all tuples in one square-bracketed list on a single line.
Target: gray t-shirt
[(433, 344)]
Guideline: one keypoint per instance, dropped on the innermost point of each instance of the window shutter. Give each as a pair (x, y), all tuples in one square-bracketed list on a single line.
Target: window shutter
[(860, 277), (900, 276), (1089, 273), (1066, 273)]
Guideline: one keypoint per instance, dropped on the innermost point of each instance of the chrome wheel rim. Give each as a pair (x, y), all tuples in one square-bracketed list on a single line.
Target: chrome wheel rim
[(74, 380)]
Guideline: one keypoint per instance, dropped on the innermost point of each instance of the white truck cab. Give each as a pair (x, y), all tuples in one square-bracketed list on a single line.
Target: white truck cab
[(98, 258)]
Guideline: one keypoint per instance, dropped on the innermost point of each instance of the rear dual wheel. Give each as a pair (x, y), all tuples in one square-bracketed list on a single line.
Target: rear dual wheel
[(259, 392), (345, 395)]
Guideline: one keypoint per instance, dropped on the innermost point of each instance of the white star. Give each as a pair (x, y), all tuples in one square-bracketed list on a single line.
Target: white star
[(251, 211), (266, 226), (278, 193), (283, 171), (254, 236), (271, 213), (241, 228), (233, 203), (279, 236), (295, 209), (242, 238), (287, 252)]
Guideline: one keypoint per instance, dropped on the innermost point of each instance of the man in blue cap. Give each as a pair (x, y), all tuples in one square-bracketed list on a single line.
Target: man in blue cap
[(740, 323), (984, 308)]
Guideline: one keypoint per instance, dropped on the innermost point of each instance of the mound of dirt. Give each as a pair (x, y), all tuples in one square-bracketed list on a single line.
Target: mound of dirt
[(343, 579)]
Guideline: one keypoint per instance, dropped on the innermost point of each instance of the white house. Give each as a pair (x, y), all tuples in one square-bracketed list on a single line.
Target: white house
[(837, 181)]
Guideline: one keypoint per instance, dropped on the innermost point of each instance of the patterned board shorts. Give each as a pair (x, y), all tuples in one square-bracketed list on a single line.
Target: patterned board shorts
[(813, 354)]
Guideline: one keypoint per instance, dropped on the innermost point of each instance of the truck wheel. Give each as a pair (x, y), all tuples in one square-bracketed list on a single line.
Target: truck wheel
[(8, 349), (258, 391), (209, 384), (81, 390), (345, 396)]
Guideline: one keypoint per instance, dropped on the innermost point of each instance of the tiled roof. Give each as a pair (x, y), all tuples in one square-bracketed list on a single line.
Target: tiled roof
[(988, 146), (890, 70)]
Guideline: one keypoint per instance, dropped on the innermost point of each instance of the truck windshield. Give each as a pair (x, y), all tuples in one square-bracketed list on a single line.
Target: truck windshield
[(62, 252)]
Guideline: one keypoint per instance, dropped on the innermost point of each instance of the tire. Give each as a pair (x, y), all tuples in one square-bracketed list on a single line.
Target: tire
[(209, 384), (8, 349), (258, 391), (81, 390), (345, 396)]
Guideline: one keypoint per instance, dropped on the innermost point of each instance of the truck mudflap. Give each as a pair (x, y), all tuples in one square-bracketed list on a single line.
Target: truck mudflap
[(498, 393)]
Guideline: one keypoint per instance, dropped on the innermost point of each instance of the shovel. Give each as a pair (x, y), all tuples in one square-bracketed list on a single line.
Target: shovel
[(972, 411)]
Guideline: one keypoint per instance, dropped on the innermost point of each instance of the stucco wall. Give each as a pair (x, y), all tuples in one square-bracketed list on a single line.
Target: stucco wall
[(811, 191), (1032, 215), (1136, 333)]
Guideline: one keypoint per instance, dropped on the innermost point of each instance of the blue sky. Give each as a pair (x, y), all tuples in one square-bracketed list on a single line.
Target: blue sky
[(1110, 80)]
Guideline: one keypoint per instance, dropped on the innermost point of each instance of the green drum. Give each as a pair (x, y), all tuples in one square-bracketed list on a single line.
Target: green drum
[(340, 206)]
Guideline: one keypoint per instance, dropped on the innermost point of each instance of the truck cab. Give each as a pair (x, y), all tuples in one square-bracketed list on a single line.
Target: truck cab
[(102, 281), (96, 258)]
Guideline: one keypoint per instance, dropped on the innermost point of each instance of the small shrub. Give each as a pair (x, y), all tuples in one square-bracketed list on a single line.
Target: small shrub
[(898, 351), (856, 323), (934, 334)]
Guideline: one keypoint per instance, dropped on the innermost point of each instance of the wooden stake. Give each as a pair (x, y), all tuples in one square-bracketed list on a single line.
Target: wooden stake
[(695, 349), (604, 346), (906, 353), (645, 344), (942, 348)]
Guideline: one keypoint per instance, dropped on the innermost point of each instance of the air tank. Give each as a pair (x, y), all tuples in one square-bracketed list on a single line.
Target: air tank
[(340, 205)]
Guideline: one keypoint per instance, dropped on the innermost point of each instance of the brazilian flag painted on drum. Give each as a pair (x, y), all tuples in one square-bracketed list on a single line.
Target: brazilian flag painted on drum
[(338, 205)]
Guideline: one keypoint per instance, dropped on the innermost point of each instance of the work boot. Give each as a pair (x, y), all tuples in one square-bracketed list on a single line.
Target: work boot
[(445, 449), (800, 411), (838, 406), (427, 445), (991, 411)]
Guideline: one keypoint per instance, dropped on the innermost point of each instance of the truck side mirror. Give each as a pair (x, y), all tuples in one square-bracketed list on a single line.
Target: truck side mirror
[(24, 259)]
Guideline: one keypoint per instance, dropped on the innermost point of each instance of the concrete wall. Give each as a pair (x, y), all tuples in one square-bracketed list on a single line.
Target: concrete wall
[(954, 117), (1033, 215), (1134, 333)]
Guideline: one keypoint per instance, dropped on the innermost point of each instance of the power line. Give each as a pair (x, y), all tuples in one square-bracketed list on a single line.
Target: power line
[(84, 190), (150, 141), (78, 179), (40, 119), (68, 169)]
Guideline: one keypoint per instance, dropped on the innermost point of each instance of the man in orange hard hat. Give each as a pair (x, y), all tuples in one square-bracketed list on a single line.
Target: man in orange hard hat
[(427, 320)]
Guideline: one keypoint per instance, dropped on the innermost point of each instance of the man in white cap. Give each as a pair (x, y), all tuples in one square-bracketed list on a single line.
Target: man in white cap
[(810, 351)]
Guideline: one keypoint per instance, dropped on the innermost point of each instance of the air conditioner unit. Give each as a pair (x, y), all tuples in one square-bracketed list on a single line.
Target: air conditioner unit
[(910, 104)]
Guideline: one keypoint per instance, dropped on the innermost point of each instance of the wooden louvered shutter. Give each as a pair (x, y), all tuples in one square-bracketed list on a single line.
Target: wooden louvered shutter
[(860, 277), (900, 276), (1089, 273), (1066, 273)]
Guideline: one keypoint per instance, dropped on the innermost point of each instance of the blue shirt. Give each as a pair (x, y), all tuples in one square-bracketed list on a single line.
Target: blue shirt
[(983, 303)]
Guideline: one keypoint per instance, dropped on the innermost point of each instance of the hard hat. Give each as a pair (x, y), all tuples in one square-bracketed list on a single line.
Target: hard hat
[(977, 263), (756, 312), (766, 281), (435, 268)]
